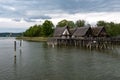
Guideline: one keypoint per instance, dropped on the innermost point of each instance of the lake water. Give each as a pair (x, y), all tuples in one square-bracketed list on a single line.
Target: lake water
[(37, 61)]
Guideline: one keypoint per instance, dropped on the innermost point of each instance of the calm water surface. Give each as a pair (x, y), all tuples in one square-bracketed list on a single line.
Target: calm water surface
[(37, 61)]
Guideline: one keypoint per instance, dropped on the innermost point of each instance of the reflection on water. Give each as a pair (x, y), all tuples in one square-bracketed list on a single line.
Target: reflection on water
[(37, 61)]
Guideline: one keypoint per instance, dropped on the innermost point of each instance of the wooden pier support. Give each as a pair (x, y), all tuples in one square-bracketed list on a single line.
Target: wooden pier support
[(14, 45), (15, 48), (20, 43), (96, 43)]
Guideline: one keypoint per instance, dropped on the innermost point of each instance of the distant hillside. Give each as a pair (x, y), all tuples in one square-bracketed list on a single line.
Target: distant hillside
[(10, 34)]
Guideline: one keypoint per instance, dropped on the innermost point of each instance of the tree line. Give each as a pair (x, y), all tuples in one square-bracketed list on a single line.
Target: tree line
[(47, 28)]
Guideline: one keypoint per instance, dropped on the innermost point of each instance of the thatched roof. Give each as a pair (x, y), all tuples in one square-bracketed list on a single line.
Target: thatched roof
[(96, 31), (81, 31), (73, 30), (59, 31)]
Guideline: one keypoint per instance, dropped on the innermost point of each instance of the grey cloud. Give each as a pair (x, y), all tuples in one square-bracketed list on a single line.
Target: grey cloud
[(52, 6), (32, 18), (29, 20), (16, 19), (40, 17), (25, 19), (35, 18)]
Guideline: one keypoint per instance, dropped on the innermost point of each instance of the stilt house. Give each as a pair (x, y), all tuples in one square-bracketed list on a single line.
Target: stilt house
[(62, 32)]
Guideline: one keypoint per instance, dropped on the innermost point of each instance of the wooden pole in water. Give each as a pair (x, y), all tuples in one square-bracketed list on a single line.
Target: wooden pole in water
[(14, 45), (20, 43), (15, 48)]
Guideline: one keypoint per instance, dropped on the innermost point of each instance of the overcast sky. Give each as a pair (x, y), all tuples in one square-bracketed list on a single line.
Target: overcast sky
[(18, 15)]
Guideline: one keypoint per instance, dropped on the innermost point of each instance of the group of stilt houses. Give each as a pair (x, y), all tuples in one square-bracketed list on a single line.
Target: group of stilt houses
[(96, 37)]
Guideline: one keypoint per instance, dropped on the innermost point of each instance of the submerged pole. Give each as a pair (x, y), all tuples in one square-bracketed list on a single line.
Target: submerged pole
[(14, 59), (20, 43), (14, 45), (15, 48)]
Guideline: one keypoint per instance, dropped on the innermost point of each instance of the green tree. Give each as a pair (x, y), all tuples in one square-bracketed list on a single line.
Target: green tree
[(65, 22), (71, 24), (33, 31), (28, 33), (80, 23), (62, 23), (101, 23), (47, 28), (36, 31)]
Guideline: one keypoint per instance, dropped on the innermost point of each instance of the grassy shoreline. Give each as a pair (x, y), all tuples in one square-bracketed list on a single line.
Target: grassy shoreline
[(36, 39)]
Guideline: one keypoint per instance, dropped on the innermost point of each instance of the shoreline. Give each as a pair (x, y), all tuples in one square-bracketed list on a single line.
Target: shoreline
[(35, 39)]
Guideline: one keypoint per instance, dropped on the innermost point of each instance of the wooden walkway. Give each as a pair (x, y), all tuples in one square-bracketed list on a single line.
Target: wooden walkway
[(87, 42)]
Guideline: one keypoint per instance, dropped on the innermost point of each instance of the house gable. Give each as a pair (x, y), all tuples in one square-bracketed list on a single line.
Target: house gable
[(66, 32), (61, 32), (99, 32), (102, 33), (89, 33)]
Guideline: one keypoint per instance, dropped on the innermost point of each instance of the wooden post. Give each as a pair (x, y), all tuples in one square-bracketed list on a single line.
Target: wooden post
[(14, 45), (15, 48), (14, 59), (20, 43)]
